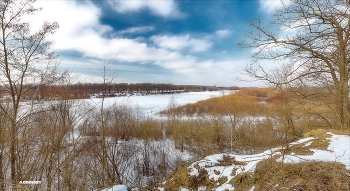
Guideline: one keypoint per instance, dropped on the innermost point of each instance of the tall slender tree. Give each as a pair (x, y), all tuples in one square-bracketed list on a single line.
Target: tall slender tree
[(25, 64)]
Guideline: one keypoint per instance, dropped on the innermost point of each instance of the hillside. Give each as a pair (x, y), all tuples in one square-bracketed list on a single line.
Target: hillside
[(319, 161)]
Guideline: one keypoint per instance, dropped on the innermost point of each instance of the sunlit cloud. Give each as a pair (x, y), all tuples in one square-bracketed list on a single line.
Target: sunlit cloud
[(223, 33), (181, 42), (167, 9), (136, 30), (270, 6)]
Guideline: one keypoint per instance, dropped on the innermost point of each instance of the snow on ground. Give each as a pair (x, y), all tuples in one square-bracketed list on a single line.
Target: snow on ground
[(303, 141), (136, 154), (337, 151), (116, 188), (210, 164)]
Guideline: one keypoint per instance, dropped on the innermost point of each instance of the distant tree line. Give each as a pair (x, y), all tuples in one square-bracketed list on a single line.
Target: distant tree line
[(143, 87), (82, 90)]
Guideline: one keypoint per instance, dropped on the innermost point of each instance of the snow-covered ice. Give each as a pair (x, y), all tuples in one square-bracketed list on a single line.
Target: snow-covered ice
[(152, 104)]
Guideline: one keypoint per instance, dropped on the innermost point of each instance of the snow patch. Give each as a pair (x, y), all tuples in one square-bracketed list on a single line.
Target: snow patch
[(252, 189), (302, 141), (116, 188), (337, 151)]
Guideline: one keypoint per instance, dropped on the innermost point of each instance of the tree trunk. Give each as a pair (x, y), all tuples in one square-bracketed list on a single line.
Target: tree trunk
[(13, 156)]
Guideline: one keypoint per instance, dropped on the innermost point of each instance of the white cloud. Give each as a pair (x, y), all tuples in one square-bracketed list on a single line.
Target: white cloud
[(269, 6), (133, 30), (223, 33), (75, 19), (80, 30), (182, 42), (212, 72), (167, 9)]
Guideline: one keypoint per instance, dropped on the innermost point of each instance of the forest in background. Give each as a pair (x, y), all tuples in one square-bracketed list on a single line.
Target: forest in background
[(86, 90)]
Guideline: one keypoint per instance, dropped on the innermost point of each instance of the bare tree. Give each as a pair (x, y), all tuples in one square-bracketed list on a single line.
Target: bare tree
[(110, 174), (25, 64), (313, 41)]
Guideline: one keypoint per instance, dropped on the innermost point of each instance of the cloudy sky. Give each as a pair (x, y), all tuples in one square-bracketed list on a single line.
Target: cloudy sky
[(154, 41)]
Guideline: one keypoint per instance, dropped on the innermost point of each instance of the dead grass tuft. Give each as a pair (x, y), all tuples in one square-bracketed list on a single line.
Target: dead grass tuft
[(321, 142), (243, 181), (323, 133), (300, 149), (227, 160), (222, 180), (182, 179), (318, 133), (178, 180), (306, 176)]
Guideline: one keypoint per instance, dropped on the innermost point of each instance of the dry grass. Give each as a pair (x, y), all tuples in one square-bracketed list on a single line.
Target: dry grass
[(306, 176), (304, 115), (178, 180), (227, 160), (323, 133), (321, 142), (213, 133), (182, 179), (243, 181), (272, 175), (244, 102), (306, 118)]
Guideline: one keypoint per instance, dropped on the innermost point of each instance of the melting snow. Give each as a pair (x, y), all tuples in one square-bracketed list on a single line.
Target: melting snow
[(303, 141), (337, 151), (116, 188)]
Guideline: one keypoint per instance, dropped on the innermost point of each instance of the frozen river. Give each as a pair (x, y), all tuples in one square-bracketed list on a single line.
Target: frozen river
[(154, 103)]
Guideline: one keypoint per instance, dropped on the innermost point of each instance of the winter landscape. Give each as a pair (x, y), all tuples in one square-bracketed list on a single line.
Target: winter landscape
[(169, 95)]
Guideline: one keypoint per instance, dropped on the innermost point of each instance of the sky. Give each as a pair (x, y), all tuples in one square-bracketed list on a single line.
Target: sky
[(192, 42)]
